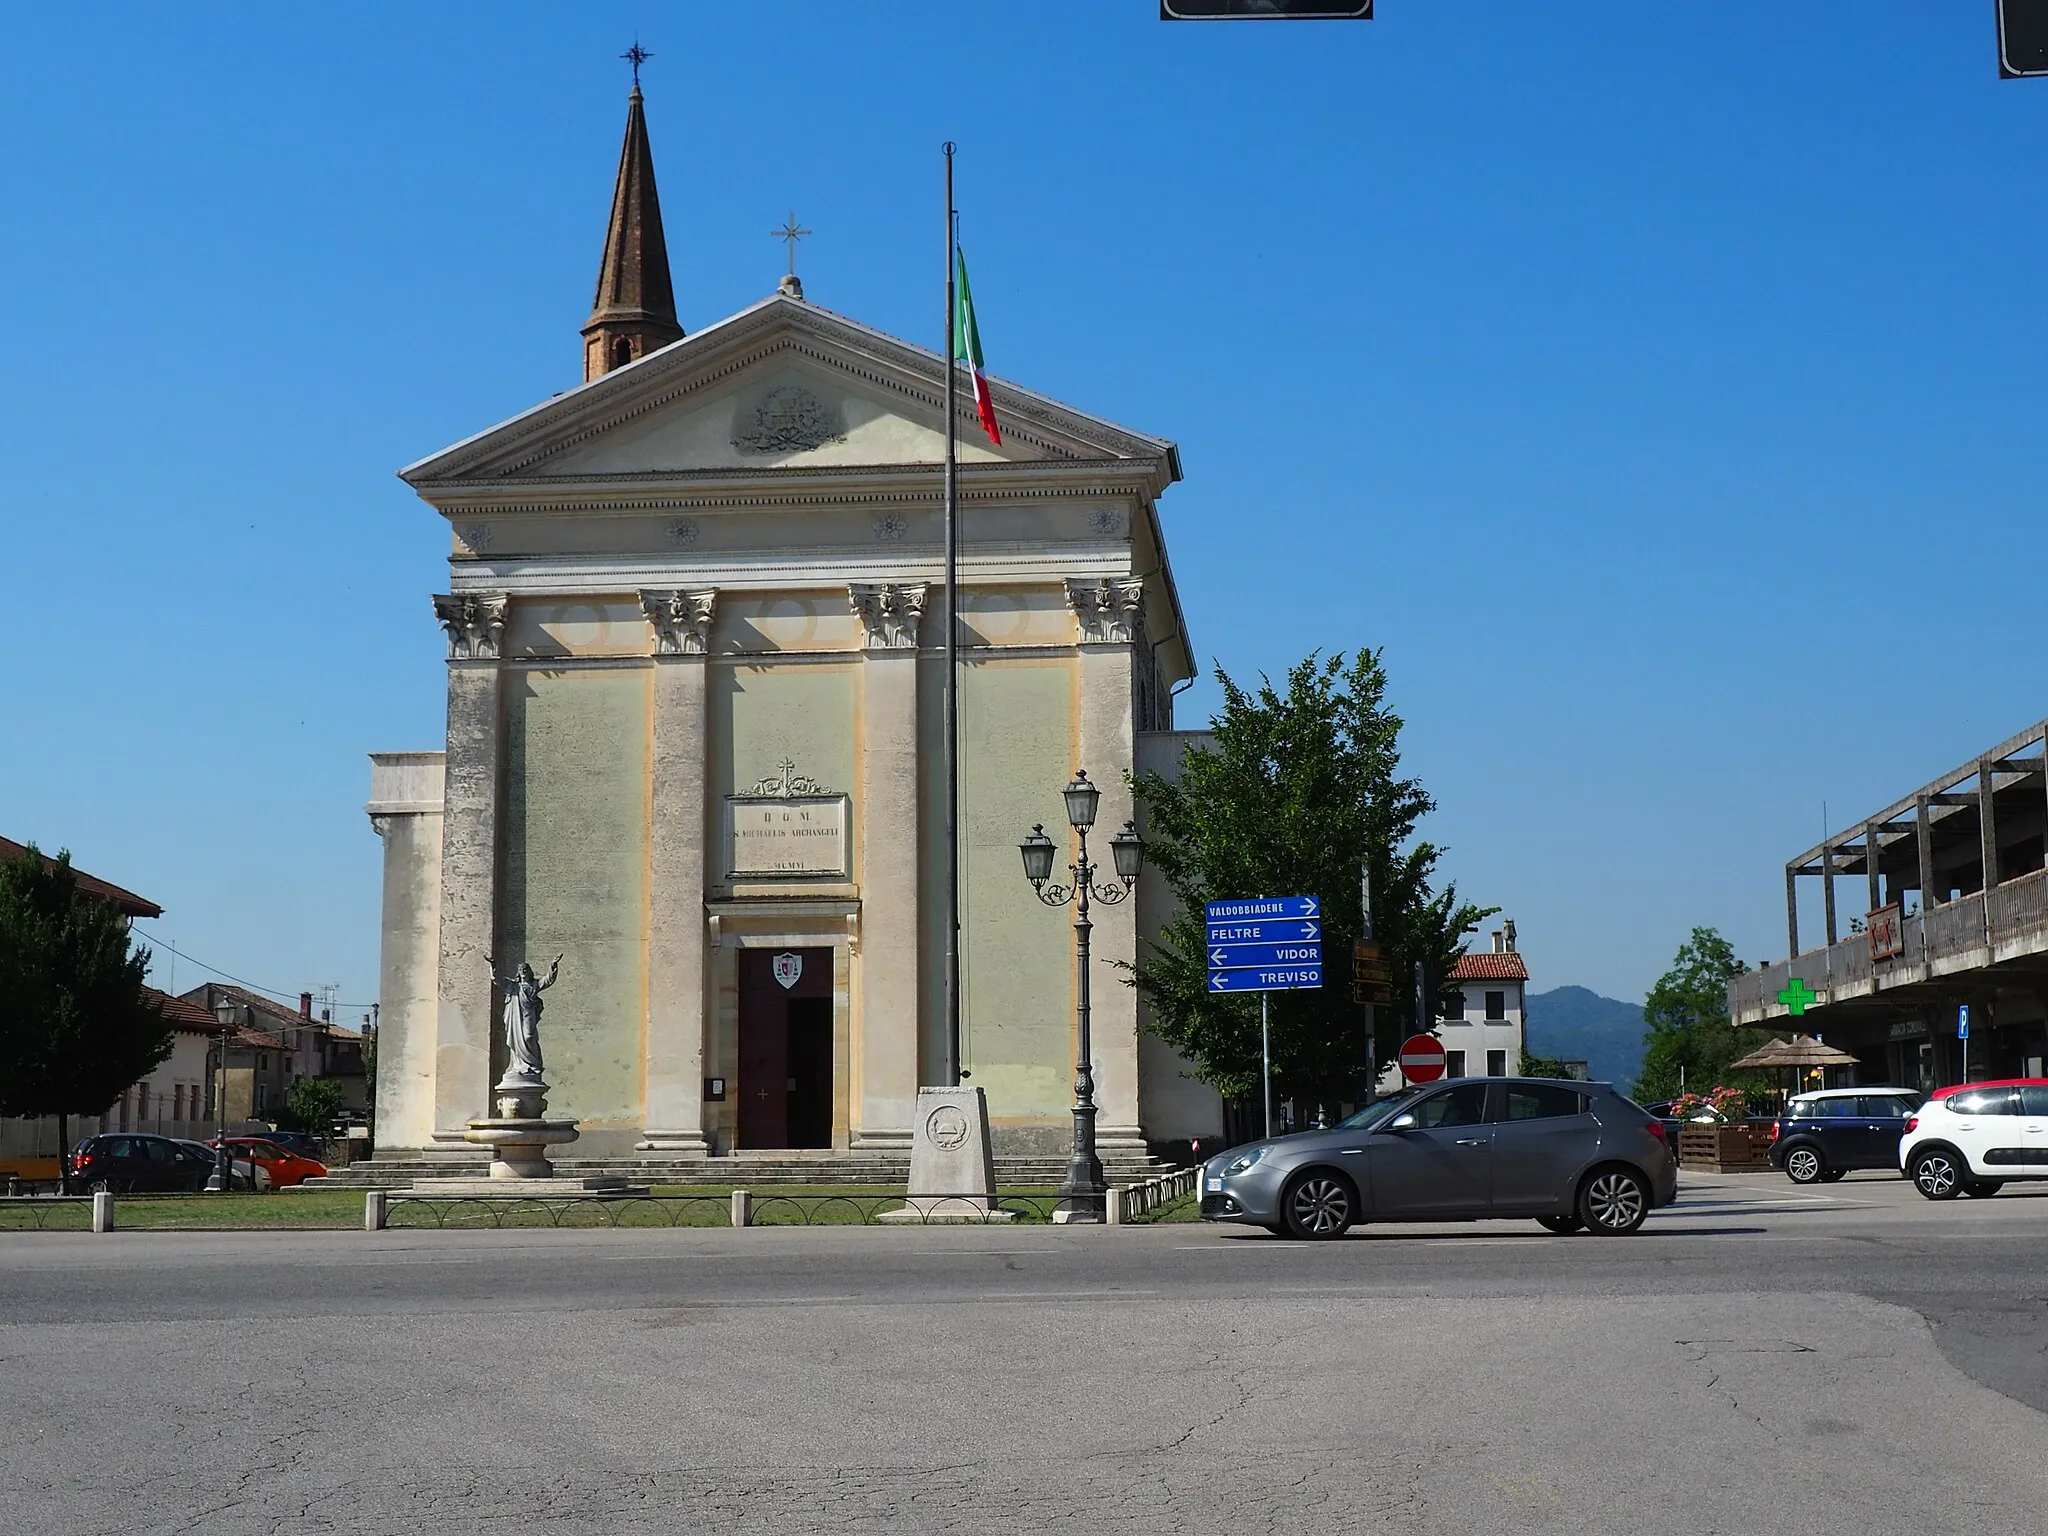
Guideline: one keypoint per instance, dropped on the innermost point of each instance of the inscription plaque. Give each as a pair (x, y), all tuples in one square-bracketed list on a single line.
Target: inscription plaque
[(786, 836)]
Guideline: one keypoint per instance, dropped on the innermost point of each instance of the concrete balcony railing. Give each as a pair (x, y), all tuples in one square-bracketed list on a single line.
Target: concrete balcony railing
[(1972, 933)]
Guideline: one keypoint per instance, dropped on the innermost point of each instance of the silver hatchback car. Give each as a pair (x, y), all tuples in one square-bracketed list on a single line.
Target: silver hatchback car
[(1575, 1156)]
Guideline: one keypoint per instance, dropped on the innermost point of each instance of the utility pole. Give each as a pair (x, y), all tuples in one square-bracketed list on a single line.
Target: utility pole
[(1372, 1072)]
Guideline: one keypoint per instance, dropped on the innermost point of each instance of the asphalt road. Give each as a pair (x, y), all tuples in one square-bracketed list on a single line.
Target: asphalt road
[(1846, 1360)]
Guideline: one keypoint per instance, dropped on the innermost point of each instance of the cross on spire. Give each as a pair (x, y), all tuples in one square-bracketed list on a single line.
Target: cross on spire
[(790, 233), (636, 56)]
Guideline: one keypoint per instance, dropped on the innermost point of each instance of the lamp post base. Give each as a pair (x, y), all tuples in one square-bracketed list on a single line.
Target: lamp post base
[(1083, 1193)]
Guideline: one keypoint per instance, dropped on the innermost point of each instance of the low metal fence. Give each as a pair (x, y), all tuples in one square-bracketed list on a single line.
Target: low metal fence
[(383, 1209), (42, 1213), (1148, 1200)]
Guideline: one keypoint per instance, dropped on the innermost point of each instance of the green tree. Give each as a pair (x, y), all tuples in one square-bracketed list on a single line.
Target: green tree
[(310, 1105), (1686, 1015), (1539, 1066), (1297, 790), (76, 1029)]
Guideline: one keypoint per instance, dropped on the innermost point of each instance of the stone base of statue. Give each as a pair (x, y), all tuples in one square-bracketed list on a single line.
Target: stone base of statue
[(519, 1136), (952, 1162)]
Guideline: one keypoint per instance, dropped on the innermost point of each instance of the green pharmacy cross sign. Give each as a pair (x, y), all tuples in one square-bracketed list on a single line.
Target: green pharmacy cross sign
[(1797, 996)]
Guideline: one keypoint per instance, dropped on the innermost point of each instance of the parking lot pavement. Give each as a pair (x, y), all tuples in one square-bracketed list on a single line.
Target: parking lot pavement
[(1760, 1356)]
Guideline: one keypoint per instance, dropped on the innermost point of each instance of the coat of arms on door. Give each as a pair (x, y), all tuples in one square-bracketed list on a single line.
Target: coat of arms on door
[(786, 969)]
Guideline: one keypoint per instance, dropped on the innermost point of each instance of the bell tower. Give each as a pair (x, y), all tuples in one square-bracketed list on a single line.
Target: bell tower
[(634, 311)]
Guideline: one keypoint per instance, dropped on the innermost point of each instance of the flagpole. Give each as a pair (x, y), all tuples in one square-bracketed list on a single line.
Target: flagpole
[(949, 1075)]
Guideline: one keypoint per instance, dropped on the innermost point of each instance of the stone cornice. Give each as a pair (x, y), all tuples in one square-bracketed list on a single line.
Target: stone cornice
[(743, 490), (819, 569)]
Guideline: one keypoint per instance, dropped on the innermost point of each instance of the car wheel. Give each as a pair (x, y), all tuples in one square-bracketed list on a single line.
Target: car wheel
[(1319, 1205), (1938, 1174), (1834, 1176), (1614, 1201), (101, 1186), (1804, 1165), (1983, 1189), (1563, 1226)]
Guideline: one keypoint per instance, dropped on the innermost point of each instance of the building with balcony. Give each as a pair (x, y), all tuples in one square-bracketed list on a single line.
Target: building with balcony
[(1954, 914)]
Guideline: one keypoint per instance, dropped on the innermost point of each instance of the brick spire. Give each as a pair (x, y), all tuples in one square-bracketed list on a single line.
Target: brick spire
[(634, 311)]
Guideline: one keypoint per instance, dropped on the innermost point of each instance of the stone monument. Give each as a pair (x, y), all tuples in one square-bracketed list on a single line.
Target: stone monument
[(520, 1134), (952, 1164)]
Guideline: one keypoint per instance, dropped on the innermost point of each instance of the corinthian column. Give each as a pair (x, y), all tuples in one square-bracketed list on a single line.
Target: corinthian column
[(1111, 615), (678, 839), (887, 1038), (475, 622)]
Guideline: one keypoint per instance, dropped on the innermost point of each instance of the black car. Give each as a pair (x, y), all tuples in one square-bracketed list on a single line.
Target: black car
[(295, 1141), (136, 1161), (1823, 1135)]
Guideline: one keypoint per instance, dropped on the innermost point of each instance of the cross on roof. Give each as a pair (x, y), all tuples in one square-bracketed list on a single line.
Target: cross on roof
[(792, 234), (636, 56)]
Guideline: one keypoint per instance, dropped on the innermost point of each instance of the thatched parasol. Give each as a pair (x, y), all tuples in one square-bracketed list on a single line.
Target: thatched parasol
[(1799, 1052)]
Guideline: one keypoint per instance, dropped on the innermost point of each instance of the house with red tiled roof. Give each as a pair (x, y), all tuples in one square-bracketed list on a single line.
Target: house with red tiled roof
[(1482, 1032), (277, 1045), (131, 905), (1484, 1000)]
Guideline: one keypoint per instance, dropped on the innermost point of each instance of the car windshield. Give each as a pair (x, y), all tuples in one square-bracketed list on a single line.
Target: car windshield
[(1378, 1110)]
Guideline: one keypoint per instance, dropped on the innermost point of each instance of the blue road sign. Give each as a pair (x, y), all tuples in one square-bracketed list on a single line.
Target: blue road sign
[(1238, 957), (1264, 906), (1292, 930), (1963, 1022), (1268, 944), (1278, 978)]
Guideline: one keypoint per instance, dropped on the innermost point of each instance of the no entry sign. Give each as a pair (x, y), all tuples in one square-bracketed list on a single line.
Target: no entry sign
[(1422, 1058)]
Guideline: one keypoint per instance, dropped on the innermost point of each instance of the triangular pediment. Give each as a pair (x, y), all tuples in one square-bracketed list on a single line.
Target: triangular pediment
[(781, 386)]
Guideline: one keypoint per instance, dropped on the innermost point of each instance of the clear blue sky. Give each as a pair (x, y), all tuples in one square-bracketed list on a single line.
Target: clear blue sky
[(1662, 386)]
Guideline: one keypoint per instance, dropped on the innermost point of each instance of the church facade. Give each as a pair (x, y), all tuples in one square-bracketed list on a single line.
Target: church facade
[(694, 741)]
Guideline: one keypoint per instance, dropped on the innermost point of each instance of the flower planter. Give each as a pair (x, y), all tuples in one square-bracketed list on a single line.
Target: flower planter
[(1723, 1148)]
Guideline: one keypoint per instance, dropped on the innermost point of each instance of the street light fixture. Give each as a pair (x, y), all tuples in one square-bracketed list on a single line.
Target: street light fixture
[(225, 1010), (1081, 1193)]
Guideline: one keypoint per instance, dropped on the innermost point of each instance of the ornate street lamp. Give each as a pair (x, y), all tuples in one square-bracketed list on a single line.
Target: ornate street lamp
[(1081, 1194), (226, 1010)]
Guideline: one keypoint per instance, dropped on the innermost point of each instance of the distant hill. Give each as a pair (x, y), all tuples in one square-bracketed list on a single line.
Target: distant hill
[(1577, 1025)]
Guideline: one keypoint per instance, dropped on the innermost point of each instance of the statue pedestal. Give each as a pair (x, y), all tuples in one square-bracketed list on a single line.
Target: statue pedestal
[(519, 1135), (519, 1145)]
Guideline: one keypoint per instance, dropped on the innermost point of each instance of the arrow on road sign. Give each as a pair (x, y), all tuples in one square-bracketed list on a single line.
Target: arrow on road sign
[(1263, 906), (1226, 957), (1269, 932)]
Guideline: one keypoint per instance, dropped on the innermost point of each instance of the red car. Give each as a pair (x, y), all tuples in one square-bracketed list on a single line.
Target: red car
[(284, 1168), (1996, 1082)]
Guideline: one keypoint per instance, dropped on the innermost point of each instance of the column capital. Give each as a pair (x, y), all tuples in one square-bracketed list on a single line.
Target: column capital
[(475, 622), (1111, 609), (681, 620), (889, 614)]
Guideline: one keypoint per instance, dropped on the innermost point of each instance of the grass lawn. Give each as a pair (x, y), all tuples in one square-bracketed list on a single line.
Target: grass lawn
[(342, 1209)]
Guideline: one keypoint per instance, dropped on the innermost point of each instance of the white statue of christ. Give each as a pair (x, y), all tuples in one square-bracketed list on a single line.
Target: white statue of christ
[(522, 1018)]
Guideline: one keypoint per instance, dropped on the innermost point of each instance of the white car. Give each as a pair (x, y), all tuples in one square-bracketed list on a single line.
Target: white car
[(1970, 1139)]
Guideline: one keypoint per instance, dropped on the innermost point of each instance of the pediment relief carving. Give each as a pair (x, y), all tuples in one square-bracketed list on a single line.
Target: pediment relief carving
[(788, 419)]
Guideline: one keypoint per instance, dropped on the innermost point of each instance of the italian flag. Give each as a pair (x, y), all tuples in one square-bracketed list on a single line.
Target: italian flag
[(967, 349)]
